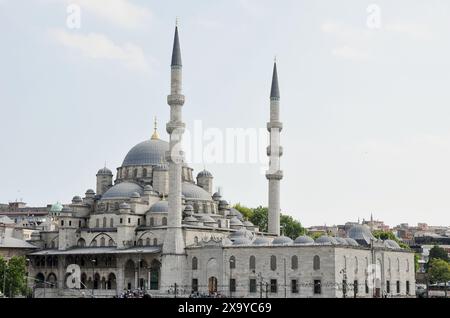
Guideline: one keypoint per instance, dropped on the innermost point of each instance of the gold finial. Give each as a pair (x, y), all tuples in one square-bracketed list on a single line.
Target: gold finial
[(155, 130)]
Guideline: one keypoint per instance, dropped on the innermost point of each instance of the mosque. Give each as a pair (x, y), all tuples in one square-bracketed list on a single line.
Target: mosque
[(156, 228)]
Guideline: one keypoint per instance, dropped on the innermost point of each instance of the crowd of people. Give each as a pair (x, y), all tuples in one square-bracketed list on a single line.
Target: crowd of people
[(134, 294)]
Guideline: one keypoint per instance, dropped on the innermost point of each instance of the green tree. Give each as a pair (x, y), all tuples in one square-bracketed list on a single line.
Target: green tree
[(13, 276), (388, 235), (438, 252), (291, 228), (439, 271), (246, 212), (259, 218)]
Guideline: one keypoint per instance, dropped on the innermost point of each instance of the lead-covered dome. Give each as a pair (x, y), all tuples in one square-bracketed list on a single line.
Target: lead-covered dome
[(147, 153), (123, 190), (192, 191), (304, 240), (282, 240), (159, 207), (361, 234)]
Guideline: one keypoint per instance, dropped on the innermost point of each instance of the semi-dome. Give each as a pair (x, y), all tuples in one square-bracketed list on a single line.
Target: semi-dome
[(351, 242), (122, 190), (104, 171), (77, 199), (260, 240), (57, 207), (159, 207), (149, 152), (304, 240), (135, 195), (391, 244), (341, 241), (148, 188), (204, 174), (192, 191), (236, 213), (326, 240), (282, 240), (242, 241), (236, 222), (361, 234)]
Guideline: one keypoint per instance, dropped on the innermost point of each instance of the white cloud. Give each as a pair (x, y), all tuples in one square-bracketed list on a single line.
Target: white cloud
[(121, 12), (99, 46)]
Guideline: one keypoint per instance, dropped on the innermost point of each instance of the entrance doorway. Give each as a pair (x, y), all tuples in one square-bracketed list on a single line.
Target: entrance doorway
[(212, 285)]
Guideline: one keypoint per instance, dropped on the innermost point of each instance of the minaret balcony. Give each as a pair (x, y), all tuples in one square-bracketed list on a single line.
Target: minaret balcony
[(277, 175), (274, 124), (176, 126), (175, 100), (269, 151)]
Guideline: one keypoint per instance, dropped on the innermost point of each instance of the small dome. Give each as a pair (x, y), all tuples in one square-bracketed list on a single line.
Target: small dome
[(124, 206), (341, 241), (77, 199), (236, 213), (207, 219), (304, 240), (235, 221), (392, 244), (57, 207), (90, 191), (216, 196), (361, 234), (135, 195), (248, 224), (204, 174), (192, 191), (122, 190), (261, 241), (190, 219), (188, 208), (242, 241), (159, 207), (226, 242), (282, 240), (326, 240), (148, 188), (223, 203), (351, 241), (104, 171), (241, 233)]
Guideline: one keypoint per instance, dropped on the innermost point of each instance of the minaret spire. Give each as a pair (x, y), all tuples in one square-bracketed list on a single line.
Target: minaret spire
[(176, 51), (274, 151)]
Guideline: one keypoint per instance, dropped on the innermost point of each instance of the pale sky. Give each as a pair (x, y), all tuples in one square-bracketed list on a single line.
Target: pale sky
[(365, 106)]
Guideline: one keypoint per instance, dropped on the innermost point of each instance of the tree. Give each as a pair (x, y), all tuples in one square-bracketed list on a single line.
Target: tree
[(260, 218), (388, 235), (438, 252), (291, 228), (246, 212), (439, 271), (13, 276)]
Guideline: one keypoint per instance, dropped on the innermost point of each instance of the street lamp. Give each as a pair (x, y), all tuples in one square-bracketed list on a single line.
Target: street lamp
[(344, 282), (93, 261)]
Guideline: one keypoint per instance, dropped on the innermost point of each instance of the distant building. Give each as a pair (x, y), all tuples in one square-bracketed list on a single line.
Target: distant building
[(9, 245)]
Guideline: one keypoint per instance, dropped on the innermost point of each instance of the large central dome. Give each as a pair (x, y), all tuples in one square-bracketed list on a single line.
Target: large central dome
[(149, 152)]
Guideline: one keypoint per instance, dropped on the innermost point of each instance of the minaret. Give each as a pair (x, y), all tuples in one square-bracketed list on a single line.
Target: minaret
[(173, 253), (274, 151)]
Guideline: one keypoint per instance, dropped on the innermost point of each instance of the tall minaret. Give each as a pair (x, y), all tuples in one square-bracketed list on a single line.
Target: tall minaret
[(173, 253), (274, 151)]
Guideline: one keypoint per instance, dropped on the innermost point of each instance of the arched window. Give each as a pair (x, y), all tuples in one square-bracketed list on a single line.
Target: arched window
[(164, 221), (104, 222), (94, 243), (155, 241), (196, 240), (97, 223), (389, 264), (398, 265), (135, 171), (407, 265), (140, 242), (194, 263), (111, 223), (356, 265), (102, 242), (252, 263), (294, 262), (111, 242), (152, 222), (144, 173), (316, 263), (273, 262), (147, 241), (232, 262)]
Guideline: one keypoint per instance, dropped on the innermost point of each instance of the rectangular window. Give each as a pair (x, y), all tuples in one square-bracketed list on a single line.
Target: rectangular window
[(232, 285), (139, 221), (367, 287), (195, 285), (70, 223), (398, 287), (407, 287), (388, 287), (62, 222), (344, 287), (79, 223), (355, 288), (121, 221), (294, 286), (253, 285), (317, 287), (273, 286), (129, 220)]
